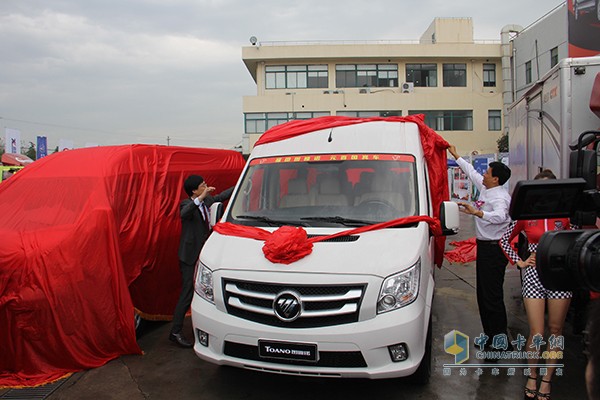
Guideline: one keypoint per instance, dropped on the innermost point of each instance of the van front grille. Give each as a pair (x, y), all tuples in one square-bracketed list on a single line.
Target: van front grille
[(321, 305)]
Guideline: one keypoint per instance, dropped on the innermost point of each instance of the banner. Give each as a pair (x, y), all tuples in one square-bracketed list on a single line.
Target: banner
[(65, 144), (41, 148), (13, 141)]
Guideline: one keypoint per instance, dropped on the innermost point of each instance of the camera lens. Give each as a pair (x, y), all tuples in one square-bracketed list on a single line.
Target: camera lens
[(589, 261)]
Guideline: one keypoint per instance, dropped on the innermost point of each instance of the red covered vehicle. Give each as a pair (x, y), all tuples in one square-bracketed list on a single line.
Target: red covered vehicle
[(88, 237)]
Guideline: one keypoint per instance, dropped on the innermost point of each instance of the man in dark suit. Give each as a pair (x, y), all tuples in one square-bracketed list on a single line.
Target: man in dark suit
[(195, 229)]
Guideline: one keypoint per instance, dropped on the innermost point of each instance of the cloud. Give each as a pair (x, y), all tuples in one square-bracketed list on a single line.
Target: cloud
[(138, 84), (121, 71)]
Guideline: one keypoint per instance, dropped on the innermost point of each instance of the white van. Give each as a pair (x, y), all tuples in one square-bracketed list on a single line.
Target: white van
[(357, 306)]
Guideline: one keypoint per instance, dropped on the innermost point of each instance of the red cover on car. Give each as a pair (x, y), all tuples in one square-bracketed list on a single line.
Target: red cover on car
[(87, 235)]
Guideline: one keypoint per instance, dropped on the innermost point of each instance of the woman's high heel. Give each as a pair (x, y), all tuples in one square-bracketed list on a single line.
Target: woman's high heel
[(544, 396), (530, 394)]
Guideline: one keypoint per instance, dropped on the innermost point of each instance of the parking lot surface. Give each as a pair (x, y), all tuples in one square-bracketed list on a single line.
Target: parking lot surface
[(166, 371)]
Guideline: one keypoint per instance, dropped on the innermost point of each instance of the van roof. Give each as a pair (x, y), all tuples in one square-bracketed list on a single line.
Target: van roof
[(300, 127)]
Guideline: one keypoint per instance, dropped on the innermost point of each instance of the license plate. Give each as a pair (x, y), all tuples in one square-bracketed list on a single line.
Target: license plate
[(288, 351)]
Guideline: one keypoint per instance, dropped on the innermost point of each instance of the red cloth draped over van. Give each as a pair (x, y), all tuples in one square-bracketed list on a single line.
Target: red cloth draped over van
[(434, 148), (85, 236)]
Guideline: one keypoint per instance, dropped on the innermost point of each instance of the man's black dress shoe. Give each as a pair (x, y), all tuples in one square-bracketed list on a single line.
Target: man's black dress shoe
[(180, 340)]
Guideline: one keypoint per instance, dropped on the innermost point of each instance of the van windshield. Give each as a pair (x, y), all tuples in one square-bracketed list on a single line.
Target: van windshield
[(326, 190)]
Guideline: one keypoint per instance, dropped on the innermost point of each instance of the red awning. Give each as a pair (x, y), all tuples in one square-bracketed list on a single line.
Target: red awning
[(15, 159)]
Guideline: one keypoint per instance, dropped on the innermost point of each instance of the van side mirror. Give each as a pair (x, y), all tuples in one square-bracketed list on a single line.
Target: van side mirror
[(449, 218), (216, 212)]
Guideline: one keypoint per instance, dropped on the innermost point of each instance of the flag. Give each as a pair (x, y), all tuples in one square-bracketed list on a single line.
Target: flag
[(42, 147), (13, 141)]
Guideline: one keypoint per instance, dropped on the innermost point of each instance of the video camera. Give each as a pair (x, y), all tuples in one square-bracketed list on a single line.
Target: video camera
[(568, 259)]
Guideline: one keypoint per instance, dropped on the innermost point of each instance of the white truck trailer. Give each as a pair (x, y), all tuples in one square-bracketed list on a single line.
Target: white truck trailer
[(551, 115)]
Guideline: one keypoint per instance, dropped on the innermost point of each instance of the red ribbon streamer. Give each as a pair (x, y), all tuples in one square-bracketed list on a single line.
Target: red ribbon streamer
[(289, 244)]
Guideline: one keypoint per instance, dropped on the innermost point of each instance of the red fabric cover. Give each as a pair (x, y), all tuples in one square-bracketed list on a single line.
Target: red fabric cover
[(85, 236), (434, 148), (288, 244), (465, 251)]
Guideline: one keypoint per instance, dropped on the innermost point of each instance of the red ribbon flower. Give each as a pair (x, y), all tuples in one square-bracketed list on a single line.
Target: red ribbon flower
[(287, 245)]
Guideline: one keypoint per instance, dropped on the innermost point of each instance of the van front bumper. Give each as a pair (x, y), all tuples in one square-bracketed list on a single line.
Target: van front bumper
[(353, 350)]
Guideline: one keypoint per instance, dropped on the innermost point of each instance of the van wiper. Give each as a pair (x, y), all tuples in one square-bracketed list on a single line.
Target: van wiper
[(340, 220), (271, 222)]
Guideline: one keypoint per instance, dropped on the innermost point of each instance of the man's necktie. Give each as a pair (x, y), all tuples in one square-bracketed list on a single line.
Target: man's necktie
[(206, 216)]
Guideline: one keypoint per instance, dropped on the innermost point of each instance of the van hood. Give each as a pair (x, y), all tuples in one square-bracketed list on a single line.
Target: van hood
[(381, 252)]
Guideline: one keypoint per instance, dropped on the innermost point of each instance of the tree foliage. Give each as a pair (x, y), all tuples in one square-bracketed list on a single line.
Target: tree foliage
[(503, 143), (31, 153)]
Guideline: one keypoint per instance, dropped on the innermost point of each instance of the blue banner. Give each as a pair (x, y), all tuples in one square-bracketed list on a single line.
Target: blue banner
[(41, 148), (481, 164)]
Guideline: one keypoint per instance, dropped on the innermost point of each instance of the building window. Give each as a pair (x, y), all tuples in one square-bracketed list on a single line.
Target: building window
[(455, 75), (553, 57), (366, 75), (255, 122), (489, 75), (448, 120), (423, 75), (296, 76), (260, 122), (368, 114), (528, 72), (494, 120)]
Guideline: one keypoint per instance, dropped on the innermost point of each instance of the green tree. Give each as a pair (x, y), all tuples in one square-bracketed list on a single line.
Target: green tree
[(503, 143), (31, 153)]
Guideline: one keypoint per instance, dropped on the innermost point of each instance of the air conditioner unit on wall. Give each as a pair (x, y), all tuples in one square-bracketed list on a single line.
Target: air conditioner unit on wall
[(408, 87)]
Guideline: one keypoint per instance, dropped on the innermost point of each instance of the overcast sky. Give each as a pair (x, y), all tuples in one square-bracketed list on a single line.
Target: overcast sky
[(137, 71)]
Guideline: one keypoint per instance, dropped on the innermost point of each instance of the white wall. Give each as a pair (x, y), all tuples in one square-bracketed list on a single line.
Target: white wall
[(534, 44)]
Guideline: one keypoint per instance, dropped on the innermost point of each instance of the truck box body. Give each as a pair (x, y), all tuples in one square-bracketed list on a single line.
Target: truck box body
[(550, 116), (322, 315)]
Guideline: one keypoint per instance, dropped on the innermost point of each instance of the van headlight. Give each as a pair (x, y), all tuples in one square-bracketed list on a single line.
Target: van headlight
[(203, 284), (400, 289)]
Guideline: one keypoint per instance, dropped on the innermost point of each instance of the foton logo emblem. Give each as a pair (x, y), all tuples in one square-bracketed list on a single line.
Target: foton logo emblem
[(287, 306)]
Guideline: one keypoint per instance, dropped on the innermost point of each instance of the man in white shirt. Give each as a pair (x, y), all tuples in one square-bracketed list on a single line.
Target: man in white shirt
[(491, 221)]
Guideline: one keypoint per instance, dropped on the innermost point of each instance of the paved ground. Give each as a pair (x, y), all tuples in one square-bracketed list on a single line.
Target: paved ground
[(166, 371)]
